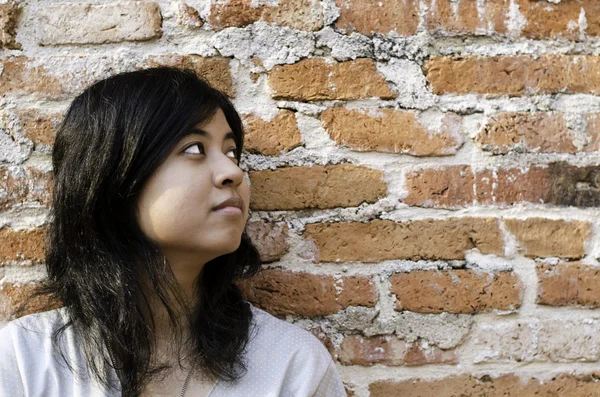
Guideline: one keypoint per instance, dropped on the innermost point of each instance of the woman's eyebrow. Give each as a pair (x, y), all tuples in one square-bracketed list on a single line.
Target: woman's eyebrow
[(198, 131)]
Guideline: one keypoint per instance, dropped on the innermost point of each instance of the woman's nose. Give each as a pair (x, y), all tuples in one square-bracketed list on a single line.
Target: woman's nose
[(226, 171)]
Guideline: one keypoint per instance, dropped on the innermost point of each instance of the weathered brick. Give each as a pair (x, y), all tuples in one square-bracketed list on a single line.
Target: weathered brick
[(514, 185), (527, 132), (447, 187), (535, 340), (546, 20), (389, 350), (558, 184), (456, 291), (380, 240), (188, 16), (509, 385), (363, 131), (315, 187), (8, 26), (568, 284), (16, 300), (385, 17), (38, 126), (269, 238), (514, 75), (467, 17), (98, 23), (22, 75), (297, 14), (22, 244), (593, 132), (542, 20), (271, 138), (540, 237), (214, 69), (18, 185), (357, 290), (283, 292), (316, 80)]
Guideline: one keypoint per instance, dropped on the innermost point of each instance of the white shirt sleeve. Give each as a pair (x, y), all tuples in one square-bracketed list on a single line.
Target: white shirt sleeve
[(11, 383)]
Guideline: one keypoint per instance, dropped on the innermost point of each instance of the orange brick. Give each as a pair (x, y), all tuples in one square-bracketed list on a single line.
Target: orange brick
[(16, 300), (297, 14), (467, 17), (514, 75), (22, 244), (214, 69), (509, 385), (527, 132), (316, 80), (456, 291), (546, 20), (283, 292), (364, 132), (539, 237), (315, 187), (271, 138), (367, 17), (380, 240), (593, 132), (39, 127), (568, 284)]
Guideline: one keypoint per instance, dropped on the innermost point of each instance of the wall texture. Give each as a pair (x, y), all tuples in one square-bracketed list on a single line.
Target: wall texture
[(425, 173)]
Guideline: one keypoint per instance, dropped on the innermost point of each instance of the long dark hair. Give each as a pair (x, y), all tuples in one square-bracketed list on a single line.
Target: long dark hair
[(113, 137)]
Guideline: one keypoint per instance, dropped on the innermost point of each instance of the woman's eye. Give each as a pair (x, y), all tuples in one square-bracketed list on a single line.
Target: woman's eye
[(199, 149), (234, 152)]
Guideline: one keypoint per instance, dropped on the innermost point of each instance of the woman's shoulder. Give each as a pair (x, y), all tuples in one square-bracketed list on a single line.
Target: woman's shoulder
[(286, 338), (34, 326)]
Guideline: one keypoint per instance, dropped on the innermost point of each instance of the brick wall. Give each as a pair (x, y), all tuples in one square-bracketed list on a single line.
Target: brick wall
[(425, 174)]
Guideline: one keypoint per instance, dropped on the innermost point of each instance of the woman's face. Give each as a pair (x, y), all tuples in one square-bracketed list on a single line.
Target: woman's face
[(176, 207)]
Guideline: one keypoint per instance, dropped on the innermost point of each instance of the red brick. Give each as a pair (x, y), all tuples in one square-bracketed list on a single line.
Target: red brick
[(316, 80), (514, 75), (365, 132), (19, 185), (380, 240), (559, 184), (283, 292), (393, 16), (456, 291), (568, 284), (22, 244), (389, 350), (315, 187), (269, 238), (539, 237)]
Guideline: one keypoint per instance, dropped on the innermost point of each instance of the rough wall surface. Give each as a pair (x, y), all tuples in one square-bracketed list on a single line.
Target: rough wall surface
[(425, 173)]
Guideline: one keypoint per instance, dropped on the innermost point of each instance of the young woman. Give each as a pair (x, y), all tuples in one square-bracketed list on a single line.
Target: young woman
[(147, 240)]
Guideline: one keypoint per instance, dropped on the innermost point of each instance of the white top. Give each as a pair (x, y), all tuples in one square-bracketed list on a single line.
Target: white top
[(282, 360)]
